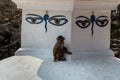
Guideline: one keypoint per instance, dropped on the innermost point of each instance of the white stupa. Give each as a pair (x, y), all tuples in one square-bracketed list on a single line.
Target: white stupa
[(86, 28)]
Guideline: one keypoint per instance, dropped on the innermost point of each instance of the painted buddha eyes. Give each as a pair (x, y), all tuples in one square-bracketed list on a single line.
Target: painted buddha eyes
[(57, 20), (82, 21), (102, 21), (34, 19)]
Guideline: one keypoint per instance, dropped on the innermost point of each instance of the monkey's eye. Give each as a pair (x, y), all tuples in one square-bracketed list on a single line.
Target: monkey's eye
[(82, 21), (58, 20), (34, 19), (102, 21)]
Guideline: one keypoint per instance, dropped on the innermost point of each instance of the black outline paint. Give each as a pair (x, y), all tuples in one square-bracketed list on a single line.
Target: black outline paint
[(34, 16), (100, 21), (59, 18)]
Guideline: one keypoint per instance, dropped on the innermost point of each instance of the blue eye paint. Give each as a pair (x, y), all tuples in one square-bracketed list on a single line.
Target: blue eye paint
[(92, 21), (56, 20), (46, 17), (84, 22)]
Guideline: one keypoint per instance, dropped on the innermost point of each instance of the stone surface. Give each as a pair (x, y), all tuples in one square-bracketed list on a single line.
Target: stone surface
[(40, 66)]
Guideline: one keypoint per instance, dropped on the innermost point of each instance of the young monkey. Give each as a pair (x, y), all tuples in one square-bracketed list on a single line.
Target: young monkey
[(59, 50)]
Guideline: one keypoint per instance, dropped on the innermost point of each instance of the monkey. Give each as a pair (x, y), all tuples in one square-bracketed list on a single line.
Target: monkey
[(59, 50), (65, 50)]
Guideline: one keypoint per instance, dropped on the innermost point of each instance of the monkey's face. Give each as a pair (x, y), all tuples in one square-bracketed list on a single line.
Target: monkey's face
[(60, 38)]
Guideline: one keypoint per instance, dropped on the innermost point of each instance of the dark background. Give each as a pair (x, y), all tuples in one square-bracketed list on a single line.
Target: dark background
[(10, 22)]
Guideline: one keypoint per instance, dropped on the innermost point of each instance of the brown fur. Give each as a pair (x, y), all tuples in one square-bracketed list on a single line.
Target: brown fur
[(59, 50)]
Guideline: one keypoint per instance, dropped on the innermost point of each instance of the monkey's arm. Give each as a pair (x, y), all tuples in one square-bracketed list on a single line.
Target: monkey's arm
[(66, 50)]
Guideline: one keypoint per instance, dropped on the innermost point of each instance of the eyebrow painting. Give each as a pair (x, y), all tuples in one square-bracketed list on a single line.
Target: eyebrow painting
[(84, 22), (60, 20), (34, 19), (56, 20)]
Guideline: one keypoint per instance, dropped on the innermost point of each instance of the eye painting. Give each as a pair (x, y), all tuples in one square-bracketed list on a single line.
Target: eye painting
[(82, 21), (102, 21), (34, 19), (58, 20)]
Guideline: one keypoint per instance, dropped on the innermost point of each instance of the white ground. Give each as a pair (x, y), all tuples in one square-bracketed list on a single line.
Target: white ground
[(89, 65)]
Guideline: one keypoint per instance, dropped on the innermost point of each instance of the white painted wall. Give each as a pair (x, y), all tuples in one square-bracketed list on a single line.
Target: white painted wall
[(45, 4), (34, 35), (82, 39)]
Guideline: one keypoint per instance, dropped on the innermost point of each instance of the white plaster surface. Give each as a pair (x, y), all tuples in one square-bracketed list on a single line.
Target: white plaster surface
[(66, 4), (34, 35), (95, 4), (81, 39), (20, 68), (45, 4), (89, 66)]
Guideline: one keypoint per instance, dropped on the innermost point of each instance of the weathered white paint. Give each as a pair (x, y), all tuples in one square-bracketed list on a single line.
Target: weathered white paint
[(34, 35), (92, 65), (45, 4), (82, 39), (66, 4), (20, 68), (95, 4)]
